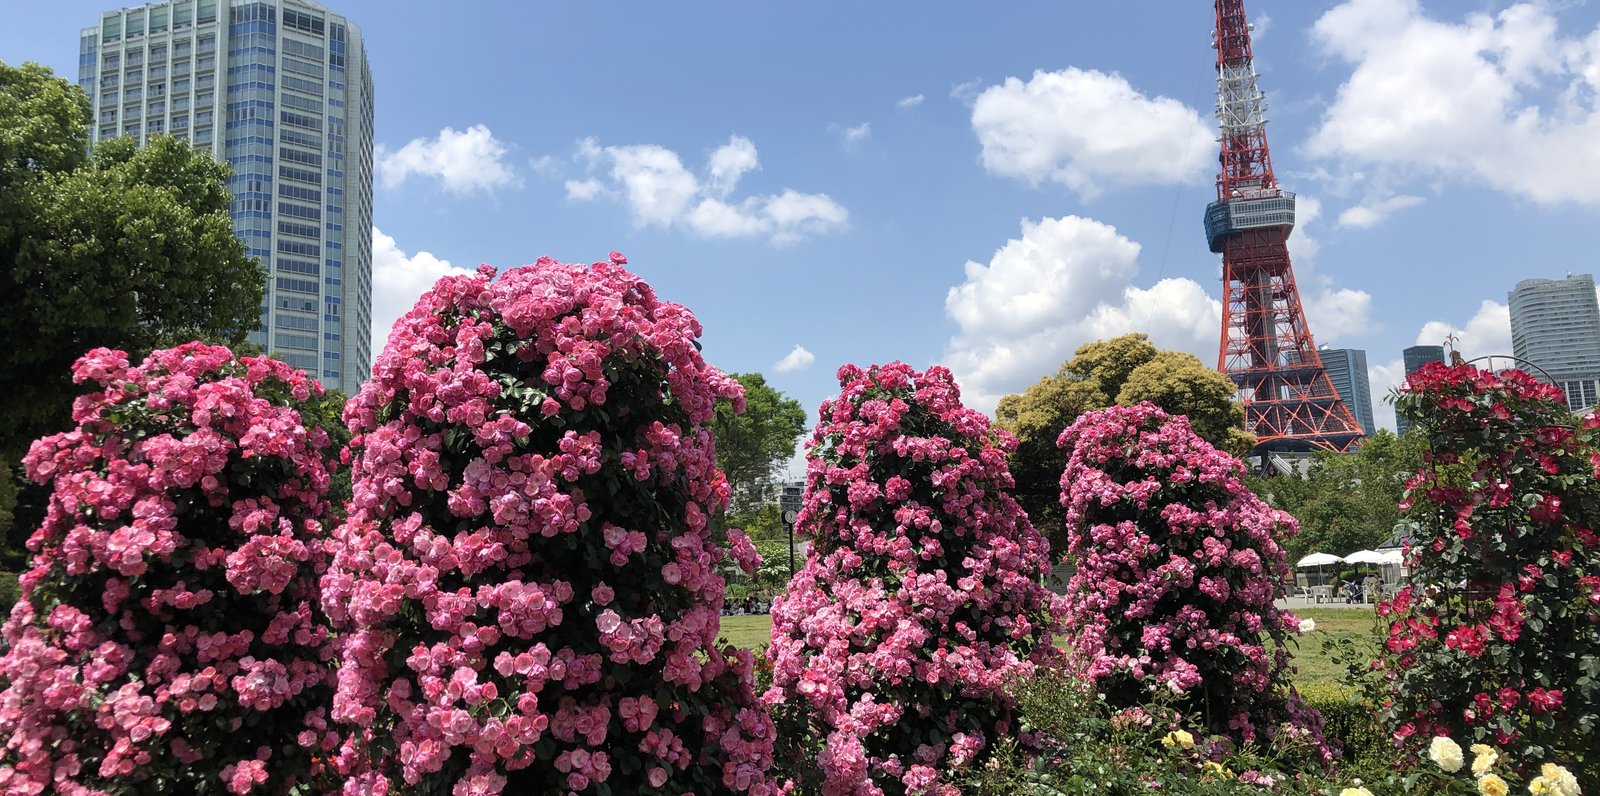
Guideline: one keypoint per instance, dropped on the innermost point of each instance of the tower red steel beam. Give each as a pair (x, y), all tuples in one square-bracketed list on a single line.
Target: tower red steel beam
[(1266, 346)]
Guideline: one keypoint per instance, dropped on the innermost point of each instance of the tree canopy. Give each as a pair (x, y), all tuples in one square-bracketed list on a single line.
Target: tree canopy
[(753, 446), (1122, 371), (123, 247), (1347, 502)]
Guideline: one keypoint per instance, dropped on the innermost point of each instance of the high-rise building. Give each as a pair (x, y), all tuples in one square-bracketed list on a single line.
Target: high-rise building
[(1347, 369), (1555, 324), (280, 90), (1415, 357)]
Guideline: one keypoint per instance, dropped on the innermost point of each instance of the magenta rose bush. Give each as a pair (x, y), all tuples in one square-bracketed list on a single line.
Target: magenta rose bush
[(169, 639), (1178, 564), (526, 586), (1497, 636), (921, 597)]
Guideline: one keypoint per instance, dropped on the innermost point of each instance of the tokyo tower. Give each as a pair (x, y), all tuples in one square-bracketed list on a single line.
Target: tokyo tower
[(1266, 346)]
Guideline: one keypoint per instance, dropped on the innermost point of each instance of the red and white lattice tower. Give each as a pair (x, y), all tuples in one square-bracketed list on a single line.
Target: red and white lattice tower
[(1266, 346)]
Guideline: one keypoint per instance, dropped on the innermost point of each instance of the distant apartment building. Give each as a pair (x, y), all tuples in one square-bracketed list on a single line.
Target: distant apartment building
[(1347, 369), (281, 91), (1555, 325), (1415, 357)]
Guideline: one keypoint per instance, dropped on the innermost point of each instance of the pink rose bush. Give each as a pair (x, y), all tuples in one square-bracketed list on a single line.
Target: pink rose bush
[(1178, 565), (526, 587), (920, 599), (169, 639), (1497, 636)]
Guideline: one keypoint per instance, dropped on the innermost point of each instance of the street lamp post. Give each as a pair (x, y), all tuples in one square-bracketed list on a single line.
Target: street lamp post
[(789, 503)]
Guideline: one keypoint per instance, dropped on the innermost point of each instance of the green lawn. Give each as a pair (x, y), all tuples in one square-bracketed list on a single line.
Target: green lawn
[(1313, 662), (747, 632)]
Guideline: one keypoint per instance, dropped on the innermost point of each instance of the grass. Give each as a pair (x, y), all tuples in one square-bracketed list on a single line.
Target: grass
[(747, 632), (1313, 660), (1315, 665)]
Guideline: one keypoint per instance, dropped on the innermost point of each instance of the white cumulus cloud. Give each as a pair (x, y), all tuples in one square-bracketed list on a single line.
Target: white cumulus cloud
[(584, 190), (1384, 379), (1335, 313), (659, 190), (909, 102), (857, 134), (1088, 130), (1375, 212), (658, 187), (1064, 282), (730, 162), (1487, 332), (398, 280), (1508, 99), (798, 359), (464, 161)]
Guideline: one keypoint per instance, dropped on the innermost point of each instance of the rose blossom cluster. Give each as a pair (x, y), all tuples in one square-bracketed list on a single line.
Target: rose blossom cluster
[(921, 595), (526, 586), (1496, 634), (1177, 568), (168, 639)]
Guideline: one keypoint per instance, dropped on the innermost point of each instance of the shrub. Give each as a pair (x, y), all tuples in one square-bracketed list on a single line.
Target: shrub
[(920, 599), (526, 583), (1349, 722), (168, 638), (1497, 636), (1178, 565)]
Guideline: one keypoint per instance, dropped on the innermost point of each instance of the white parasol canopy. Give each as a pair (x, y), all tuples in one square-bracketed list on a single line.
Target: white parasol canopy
[(1374, 557), (1318, 560)]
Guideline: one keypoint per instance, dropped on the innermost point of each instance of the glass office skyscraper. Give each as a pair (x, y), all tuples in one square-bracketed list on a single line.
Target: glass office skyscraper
[(280, 90), (1415, 357), (1555, 324), (1347, 369)]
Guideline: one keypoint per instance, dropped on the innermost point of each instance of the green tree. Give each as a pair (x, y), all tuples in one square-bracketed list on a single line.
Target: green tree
[(1181, 384), (1122, 371), (752, 446), (122, 247), (1348, 501)]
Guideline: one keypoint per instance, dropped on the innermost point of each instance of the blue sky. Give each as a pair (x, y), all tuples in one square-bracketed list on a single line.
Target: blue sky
[(982, 185)]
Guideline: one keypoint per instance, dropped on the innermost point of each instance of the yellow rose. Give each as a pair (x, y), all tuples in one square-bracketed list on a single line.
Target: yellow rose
[(1484, 761), (1446, 754), (1217, 769), (1538, 786), (1178, 738), (1355, 792), (1491, 785), (1559, 781), (1481, 749)]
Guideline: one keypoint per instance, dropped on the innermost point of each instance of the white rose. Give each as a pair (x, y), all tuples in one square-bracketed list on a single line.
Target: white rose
[(1307, 625), (1446, 753)]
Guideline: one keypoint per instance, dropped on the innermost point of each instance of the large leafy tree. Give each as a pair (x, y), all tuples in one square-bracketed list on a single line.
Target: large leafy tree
[(1122, 371), (122, 247), (753, 445)]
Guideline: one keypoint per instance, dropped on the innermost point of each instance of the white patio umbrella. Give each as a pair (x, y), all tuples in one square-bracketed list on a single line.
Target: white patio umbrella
[(1318, 560), (1366, 557)]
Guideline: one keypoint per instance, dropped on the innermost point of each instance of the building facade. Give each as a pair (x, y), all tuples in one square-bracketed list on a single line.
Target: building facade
[(280, 90), (1347, 369), (1555, 325), (1415, 357)]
